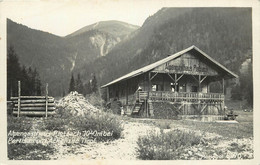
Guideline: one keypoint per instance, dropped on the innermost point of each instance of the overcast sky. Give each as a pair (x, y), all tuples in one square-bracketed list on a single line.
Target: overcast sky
[(62, 17), (66, 16)]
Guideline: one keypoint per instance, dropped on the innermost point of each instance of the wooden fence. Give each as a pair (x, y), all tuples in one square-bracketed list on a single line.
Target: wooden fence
[(33, 105)]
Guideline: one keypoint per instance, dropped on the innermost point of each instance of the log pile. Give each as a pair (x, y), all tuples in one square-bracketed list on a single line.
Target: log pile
[(33, 105)]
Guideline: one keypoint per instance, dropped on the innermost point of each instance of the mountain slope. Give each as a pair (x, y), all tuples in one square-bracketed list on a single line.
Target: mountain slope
[(57, 57), (44, 51), (223, 33), (116, 28), (97, 40)]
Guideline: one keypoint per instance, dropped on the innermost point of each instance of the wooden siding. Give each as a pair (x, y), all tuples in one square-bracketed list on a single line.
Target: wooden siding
[(187, 64), (124, 90)]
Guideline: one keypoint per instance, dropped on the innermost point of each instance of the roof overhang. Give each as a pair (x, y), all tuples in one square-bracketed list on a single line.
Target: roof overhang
[(160, 62)]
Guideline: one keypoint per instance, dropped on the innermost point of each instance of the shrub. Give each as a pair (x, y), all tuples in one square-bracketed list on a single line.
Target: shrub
[(115, 107), (235, 147), (102, 127), (95, 99), (58, 122), (165, 146), (20, 151), (61, 113), (20, 124), (163, 124), (55, 124)]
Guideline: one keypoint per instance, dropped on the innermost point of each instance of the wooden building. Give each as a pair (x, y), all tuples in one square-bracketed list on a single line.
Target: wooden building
[(182, 80)]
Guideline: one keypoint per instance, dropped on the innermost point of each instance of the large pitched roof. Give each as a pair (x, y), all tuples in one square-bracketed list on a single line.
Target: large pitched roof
[(160, 62)]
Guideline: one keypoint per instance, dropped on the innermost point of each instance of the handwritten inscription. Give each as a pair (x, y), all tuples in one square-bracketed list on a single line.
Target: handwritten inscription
[(15, 137)]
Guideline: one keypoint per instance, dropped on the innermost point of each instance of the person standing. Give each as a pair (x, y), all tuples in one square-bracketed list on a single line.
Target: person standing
[(119, 106)]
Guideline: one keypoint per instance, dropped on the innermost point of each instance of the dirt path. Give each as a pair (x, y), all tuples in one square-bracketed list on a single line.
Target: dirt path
[(123, 148)]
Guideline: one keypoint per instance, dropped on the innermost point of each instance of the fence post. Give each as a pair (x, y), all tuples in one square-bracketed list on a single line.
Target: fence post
[(46, 93), (19, 98)]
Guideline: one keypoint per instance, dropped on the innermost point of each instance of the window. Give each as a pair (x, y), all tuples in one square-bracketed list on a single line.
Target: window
[(157, 87), (173, 87), (154, 87), (182, 88), (194, 89)]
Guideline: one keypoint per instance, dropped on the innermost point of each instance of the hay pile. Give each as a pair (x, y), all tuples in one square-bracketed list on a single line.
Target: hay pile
[(77, 105)]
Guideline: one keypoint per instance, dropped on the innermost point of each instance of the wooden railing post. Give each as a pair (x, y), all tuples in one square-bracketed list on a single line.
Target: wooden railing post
[(46, 93), (223, 86), (19, 98), (199, 83), (175, 82)]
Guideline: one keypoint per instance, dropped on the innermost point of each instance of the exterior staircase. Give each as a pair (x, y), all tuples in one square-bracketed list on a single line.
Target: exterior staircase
[(142, 103), (137, 107)]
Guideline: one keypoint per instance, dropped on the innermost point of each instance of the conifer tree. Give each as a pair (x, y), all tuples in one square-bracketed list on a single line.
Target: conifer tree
[(25, 82), (79, 85), (38, 84), (72, 84), (87, 88), (34, 75), (246, 85), (29, 78), (13, 72)]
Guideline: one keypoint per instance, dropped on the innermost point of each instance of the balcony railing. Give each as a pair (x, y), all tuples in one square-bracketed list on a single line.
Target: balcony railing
[(180, 96)]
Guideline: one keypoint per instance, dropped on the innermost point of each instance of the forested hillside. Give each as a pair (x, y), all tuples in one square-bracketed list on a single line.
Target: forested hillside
[(44, 51), (29, 77), (223, 33), (56, 57)]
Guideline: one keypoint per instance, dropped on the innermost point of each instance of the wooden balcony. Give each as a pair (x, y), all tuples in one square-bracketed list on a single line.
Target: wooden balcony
[(180, 96)]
